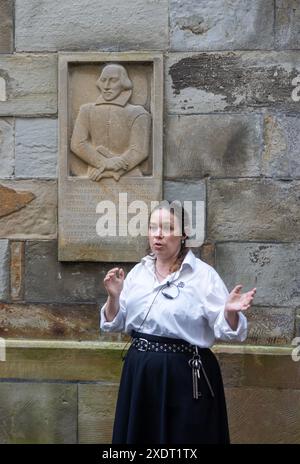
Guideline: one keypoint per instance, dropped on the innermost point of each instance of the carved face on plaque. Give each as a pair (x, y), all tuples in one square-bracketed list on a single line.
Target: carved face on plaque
[(112, 81)]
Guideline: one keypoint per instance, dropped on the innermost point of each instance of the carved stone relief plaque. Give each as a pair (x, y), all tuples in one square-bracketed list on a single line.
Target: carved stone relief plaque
[(110, 116)]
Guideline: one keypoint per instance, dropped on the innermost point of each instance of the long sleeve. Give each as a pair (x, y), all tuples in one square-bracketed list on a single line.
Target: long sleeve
[(214, 310), (118, 323)]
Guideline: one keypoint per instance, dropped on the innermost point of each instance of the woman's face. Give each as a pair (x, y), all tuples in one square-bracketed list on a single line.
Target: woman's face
[(164, 234)]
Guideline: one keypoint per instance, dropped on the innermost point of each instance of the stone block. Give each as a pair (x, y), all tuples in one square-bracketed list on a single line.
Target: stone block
[(4, 269), (7, 147), (263, 416), (29, 209), (38, 413), (214, 145), (63, 360), (72, 24), (274, 269), (253, 210), (270, 326), (231, 81), (219, 25), (49, 281), (287, 35), (96, 411), (6, 26), (281, 146), (31, 84), (36, 148), (44, 322)]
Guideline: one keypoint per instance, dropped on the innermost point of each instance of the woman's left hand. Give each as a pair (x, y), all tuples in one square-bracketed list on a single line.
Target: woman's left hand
[(238, 301)]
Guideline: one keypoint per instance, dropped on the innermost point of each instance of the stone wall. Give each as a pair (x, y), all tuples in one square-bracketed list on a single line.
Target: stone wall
[(231, 138)]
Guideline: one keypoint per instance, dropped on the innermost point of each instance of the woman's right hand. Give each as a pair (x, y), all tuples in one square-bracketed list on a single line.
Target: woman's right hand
[(113, 282)]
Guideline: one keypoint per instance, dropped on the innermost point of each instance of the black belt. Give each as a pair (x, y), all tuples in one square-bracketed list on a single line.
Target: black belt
[(142, 344)]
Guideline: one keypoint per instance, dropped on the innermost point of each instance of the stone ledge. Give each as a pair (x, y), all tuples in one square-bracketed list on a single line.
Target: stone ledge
[(98, 345)]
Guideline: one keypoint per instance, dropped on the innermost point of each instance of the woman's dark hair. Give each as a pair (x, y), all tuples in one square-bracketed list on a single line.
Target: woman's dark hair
[(181, 214)]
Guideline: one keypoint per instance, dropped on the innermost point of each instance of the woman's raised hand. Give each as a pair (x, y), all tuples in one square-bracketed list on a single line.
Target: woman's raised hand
[(238, 301), (113, 281)]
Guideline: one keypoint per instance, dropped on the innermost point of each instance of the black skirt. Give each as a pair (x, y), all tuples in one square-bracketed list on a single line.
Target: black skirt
[(155, 402)]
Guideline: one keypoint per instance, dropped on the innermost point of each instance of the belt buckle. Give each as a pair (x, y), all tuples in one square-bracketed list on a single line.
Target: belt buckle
[(143, 348)]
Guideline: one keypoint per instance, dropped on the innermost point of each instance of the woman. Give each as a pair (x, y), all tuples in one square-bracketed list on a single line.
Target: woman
[(174, 306)]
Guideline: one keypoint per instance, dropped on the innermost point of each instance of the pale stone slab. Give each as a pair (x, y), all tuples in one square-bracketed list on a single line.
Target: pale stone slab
[(263, 416), (36, 148), (281, 146), (274, 269), (6, 26), (97, 24), (219, 25), (214, 145), (38, 218), (231, 81), (3, 96), (38, 413), (31, 84), (287, 34), (96, 411), (6, 147), (253, 209), (4, 269)]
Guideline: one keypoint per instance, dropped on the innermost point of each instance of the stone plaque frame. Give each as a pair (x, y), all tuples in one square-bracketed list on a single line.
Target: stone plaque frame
[(78, 196)]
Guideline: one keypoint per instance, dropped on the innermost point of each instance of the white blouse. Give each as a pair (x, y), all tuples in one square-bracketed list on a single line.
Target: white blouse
[(195, 314)]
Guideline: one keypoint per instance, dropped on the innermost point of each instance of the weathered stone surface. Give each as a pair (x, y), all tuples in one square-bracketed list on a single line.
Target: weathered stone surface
[(207, 253), (281, 149), (135, 24), (260, 370), (36, 147), (4, 269), (17, 270), (49, 281), (38, 413), (287, 33), (6, 26), (215, 145), (38, 218), (270, 326), (274, 269), (79, 322), (96, 411), (64, 360), (12, 200), (231, 81), (267, 416), (6, 147), (31, 84), (217, 25), (253, 209)]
